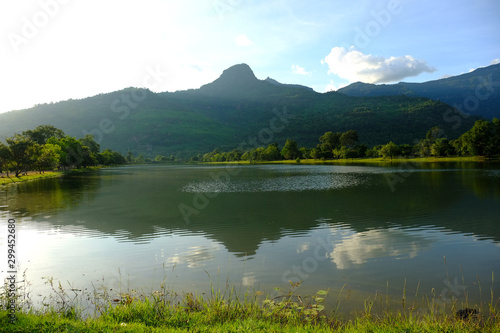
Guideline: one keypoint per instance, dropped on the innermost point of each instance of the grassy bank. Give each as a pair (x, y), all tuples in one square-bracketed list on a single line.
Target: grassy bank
[(378, 160), (166, 311), (31, 176), (35, 175)]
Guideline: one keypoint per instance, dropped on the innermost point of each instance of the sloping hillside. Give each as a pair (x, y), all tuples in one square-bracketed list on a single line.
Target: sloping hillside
[(475, 93), (234, 108)]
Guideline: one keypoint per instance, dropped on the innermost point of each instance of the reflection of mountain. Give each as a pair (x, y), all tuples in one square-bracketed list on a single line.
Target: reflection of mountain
[(138, 204)]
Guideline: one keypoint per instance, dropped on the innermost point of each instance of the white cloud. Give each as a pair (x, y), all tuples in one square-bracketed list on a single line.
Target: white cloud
[(299, 70), (332, 86), (356, 66), (243, 40), (495, 61)]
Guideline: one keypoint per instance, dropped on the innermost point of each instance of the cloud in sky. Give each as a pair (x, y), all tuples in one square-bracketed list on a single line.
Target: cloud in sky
[(243, 40), (299, 70), (67, 55), (356, 66), (495, 61), (332, 86)]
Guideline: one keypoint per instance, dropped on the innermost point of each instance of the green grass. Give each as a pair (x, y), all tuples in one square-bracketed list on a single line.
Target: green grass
[(32, 176), (166, 311)]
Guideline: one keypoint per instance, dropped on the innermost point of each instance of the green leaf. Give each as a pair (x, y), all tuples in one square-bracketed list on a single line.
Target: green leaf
[(322, 292)]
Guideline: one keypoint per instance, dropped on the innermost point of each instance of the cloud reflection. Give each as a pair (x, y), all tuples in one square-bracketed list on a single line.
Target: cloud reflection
[(195, 256), (249, 279), (375, 244)]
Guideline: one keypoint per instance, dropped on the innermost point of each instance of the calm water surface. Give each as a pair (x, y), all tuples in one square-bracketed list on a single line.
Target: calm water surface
[(369, 229)]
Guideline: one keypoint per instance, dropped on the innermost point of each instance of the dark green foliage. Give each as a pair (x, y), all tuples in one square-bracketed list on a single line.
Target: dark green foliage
[(390, 150), (482, 140), (349, 138), (42, 133), (4, 157), (290, 151), (22, 150), (46, 148)]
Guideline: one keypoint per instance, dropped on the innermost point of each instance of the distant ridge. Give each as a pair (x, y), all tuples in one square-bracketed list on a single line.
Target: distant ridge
[(477, 92), (273, 81)]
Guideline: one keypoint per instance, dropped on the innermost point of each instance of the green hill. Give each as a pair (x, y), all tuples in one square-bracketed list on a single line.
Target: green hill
[(475, 93), (235, 108)]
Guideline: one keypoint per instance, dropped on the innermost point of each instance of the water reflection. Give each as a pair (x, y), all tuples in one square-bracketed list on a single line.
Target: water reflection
[(47, 196), (195, 256), (359, 248), (262, 203)]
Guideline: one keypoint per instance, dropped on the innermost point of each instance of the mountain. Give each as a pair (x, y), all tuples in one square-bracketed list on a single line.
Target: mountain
[(235, 108), (273, 81), (476, 93)]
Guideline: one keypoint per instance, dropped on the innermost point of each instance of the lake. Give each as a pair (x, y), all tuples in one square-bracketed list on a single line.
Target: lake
[(358, 230)]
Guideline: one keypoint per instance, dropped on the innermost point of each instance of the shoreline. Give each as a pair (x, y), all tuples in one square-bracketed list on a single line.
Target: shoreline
[(32, 175), (377, 160), (35, 175), (223, 311)]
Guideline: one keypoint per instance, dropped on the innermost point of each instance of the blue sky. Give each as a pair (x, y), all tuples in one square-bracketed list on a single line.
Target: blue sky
[(54, 50)]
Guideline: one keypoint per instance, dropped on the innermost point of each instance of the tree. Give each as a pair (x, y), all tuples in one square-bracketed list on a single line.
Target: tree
[(72, 154), (434, 133), (48, 158), (329, 142), (21, 149), (479, 140), (389, 150), (305, 152), (423, 147), (160, 158), (42, 133), (271, 153), (140, 159), (130, 157), (374, 152), (406, 150), (4, 158), (89, 158), (349, 138), (315, 153), (290, 151), (119, 158), (89, 141), (441, 147), (347, 153), (495, 139), (107, 157)]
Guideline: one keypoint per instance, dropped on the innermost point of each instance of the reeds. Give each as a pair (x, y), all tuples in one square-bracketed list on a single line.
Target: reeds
[(227, 309)]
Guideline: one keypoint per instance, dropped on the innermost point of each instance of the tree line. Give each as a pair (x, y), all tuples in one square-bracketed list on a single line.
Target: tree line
[(48, 148), (483, 139)]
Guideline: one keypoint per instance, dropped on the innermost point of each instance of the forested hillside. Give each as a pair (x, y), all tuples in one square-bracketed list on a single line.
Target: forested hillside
[(234, 108), (475, 93)]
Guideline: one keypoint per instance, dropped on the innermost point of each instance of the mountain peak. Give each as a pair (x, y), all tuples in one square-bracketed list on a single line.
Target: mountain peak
[(240, 72), (234, 81)]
